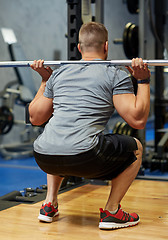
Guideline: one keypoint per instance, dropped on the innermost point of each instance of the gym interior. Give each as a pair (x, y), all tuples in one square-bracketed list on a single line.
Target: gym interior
[(48, 30)]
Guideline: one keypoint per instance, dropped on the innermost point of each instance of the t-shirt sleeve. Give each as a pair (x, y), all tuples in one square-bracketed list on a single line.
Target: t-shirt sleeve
[(122, 83), (49, 88)]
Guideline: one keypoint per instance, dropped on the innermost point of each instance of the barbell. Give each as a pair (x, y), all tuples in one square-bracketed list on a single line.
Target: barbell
[(158, 62)]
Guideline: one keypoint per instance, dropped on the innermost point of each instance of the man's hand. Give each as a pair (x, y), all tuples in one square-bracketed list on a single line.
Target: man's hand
[(139, 69), (45, 72)]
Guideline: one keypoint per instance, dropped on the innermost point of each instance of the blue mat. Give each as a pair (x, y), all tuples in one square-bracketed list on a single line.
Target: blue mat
[(20, 174)]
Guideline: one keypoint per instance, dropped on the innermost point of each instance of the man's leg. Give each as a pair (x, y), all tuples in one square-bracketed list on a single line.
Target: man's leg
[(53, 185), (122, 182), (113, 216), (49, 208)]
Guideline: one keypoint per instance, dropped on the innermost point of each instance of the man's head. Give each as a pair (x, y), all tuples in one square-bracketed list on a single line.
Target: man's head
[(93, 37)]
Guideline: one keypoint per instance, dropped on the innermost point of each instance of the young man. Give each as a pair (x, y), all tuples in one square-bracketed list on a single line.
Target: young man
[(81, 98)]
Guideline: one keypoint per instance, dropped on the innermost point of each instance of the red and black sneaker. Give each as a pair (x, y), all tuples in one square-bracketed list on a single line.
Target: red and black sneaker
[(48, 212), (119, 220)]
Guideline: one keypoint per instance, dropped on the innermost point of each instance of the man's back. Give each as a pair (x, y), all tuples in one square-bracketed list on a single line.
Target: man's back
[(82, 102)]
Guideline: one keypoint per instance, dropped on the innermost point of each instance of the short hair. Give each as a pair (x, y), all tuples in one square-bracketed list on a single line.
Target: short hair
[(92, 35)]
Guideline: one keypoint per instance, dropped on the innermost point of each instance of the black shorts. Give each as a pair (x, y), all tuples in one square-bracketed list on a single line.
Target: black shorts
[(113, 154)]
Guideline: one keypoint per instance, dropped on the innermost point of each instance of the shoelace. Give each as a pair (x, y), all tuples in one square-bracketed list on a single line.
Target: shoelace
[(125, 216)]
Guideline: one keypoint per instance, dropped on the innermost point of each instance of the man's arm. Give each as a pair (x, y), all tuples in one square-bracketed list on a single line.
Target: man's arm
[(41, 108), (135, 109)]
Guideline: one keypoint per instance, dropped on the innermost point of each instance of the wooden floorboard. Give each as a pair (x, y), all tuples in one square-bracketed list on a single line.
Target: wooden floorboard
[(79, 215)]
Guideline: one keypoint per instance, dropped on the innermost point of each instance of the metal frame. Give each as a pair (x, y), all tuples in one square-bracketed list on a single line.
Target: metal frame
[(143, 54), (160, 107), (74, 24)]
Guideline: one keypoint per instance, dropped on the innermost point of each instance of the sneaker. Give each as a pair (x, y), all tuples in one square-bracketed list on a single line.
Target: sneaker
[(48, 212), (118, 220)]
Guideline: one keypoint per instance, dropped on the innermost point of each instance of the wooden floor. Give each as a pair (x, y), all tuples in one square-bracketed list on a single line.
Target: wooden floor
[(79, 215)]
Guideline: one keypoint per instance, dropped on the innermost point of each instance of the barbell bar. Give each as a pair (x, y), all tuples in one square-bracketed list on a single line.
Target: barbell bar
[(58, 63)]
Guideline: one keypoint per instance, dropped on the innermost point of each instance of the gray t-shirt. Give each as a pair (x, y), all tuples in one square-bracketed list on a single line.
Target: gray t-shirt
[(82, 102)]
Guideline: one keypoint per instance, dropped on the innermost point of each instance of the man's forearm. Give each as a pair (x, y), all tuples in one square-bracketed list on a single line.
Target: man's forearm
[(41, 108), (40, 92), (143, 101)]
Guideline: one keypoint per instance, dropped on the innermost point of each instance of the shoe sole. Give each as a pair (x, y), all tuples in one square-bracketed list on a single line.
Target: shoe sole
[(109, 225), (44, 218)]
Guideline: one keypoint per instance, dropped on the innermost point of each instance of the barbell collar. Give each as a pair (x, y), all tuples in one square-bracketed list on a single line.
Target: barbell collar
[(58, 63)]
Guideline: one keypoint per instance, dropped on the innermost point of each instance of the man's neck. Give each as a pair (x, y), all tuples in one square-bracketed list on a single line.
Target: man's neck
[(91, 56)]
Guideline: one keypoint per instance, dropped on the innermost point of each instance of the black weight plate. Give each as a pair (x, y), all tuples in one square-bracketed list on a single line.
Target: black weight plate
[(133, 41), (125, 129), (116, 127), (130, 131), (133, 6), (6, 120), (125, 39), (121, 128)]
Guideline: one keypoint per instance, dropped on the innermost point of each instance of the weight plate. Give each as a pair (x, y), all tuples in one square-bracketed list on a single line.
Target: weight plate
[(125, 38), (130, 131), (116, 127), (130, 40), (6, 120), (133, 6), (125, 129), (133, 41), (121, 128)]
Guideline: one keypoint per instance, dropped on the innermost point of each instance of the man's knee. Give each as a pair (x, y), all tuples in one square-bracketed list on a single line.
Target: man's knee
[(139, 145), (139, 150)]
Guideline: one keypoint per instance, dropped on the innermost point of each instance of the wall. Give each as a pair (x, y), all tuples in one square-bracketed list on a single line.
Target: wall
[(40, 27)]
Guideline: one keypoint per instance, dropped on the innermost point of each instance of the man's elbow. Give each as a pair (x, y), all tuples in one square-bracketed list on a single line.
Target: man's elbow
[(140, 119), (33, 121), (139, 123), (37, 118)]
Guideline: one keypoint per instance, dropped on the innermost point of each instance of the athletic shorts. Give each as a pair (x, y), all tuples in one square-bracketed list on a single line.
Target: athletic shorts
[(112, 155)]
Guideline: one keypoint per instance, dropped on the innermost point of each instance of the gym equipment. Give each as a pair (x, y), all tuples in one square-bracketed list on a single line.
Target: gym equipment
[(125, 129), (80, 11), (121, 128), (116, 127), (157, 62), (89, 13), (130, 40), (16, 53), (133, 6), (74, 23), (23, 74), (6, 119), (86, 11), (20, 92), (33, 195)]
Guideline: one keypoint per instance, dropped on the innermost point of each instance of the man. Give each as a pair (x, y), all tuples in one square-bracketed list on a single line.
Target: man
[(81, 98)]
